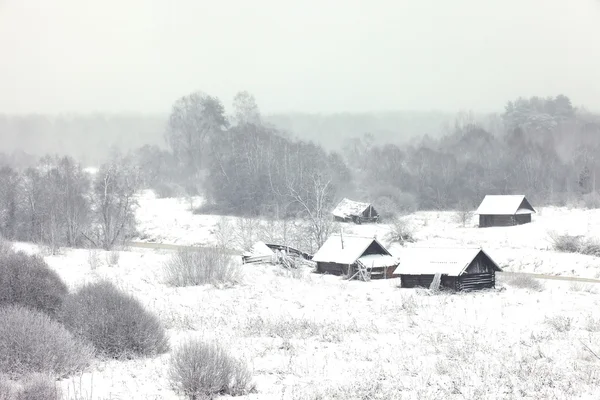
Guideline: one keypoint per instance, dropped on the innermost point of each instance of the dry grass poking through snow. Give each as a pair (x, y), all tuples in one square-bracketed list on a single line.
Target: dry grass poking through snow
[(200, 267)]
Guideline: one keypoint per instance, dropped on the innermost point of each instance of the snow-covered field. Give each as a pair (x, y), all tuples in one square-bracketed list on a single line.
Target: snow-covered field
[(308, 337), (525, 248)]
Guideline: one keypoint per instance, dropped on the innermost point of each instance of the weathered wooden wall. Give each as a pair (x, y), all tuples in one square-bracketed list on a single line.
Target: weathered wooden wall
[(480, 274), (503, 220), (332, 268), (468, 282)]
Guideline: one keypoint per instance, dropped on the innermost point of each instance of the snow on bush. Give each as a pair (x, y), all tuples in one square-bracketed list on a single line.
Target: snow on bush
[(201, 370), (27, 280), (30, 342), (38, 387), (32, 387), (401, 231), (202, 266), (560, 323), (526, 282), (114, 322), (575, 244)]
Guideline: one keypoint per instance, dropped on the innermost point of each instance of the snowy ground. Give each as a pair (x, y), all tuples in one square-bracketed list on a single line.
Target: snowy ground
[(309, 337)]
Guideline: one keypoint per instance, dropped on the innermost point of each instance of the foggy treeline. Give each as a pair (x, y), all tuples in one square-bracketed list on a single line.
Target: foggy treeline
[(245, 165), (91, 138), (542, 147)]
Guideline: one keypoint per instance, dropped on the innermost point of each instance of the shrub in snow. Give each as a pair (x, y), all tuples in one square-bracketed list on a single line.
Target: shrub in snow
[(114, 322), (32, 387), (201, 266), (575, 244), (526, 282), (592, 324), (560, 323), (28, 280), (7, 389), (38, 387), (30, 342), (401, 231), (165, 190), (201, 370)]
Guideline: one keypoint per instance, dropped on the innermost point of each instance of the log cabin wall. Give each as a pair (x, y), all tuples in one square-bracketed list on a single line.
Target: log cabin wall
[(332, 268)]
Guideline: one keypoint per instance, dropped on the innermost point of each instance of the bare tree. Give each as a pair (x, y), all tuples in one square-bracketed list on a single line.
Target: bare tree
[(9, 198), (194, 119), (314, 196), (245, 109), (113, 200)]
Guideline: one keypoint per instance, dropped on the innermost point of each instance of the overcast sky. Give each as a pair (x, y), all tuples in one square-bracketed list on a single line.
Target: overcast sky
[(296, 55)]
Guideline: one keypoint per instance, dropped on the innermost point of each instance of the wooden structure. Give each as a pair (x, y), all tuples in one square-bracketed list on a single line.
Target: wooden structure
[(459, 268), (354, 211), (269, 253), (290, 251), (356, 257), (259, 253), (505, 210)]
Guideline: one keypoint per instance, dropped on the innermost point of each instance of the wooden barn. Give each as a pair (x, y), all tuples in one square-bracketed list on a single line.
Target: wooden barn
[(353, 256), (459, 268), (353, 211), (504, 210)]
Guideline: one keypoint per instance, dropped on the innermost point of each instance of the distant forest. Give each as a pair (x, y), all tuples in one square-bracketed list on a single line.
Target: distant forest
[(91, 138), (245, 163)]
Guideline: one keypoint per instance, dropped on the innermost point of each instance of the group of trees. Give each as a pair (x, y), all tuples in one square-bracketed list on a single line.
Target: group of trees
[(542, 147), (57, 203), (242, 165), (546, 149)]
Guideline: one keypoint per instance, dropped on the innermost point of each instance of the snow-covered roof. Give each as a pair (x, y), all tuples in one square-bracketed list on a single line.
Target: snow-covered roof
[(504, 205), (259, 249), (348, 208), (353, 248), (378, 260), (431, 261)]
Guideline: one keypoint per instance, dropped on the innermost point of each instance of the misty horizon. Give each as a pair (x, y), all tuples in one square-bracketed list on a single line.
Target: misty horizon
[(324, 58)]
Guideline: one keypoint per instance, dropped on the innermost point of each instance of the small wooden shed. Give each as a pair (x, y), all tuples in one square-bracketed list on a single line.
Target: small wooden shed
[(459, 268), (347, 254), (353, 211), (504, 210)]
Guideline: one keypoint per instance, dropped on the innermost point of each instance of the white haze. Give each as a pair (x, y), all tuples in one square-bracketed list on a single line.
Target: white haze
[(309, 56)]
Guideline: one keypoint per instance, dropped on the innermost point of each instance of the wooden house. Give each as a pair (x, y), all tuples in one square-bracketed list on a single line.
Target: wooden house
[(349, 255), (459, 268), (353, 211), (505, 210)]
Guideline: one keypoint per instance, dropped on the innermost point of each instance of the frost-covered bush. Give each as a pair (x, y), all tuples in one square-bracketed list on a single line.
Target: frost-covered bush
[(114, 322), (32, 342), (201, 266), (575, 244), (27, 280), (522, 281), (560, 323), (201, 370), (401, 231), (38, 387)]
